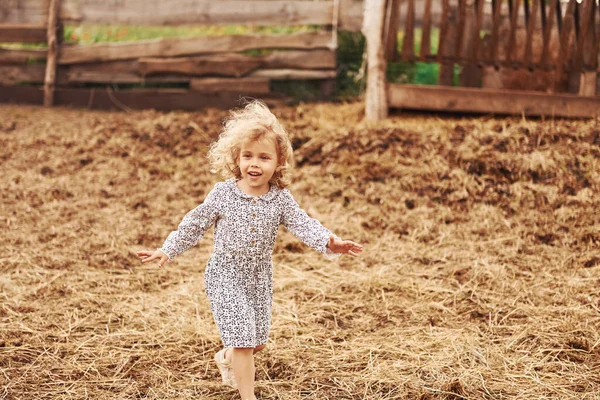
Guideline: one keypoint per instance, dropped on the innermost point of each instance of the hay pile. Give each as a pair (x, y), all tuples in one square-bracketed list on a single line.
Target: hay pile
[(479, 278)]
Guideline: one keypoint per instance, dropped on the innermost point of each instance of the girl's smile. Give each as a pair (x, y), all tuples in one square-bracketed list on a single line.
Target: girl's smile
[(258, 162)]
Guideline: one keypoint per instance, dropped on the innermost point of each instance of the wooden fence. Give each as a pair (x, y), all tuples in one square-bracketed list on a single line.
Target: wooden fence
[(212, 69), (535, 57)]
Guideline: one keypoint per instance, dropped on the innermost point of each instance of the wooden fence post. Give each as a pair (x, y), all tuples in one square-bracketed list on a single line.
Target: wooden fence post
[(50, 77), (376, 105)]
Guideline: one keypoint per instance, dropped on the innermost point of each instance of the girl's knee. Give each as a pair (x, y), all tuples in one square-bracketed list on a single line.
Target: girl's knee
[(259, 348), (243, 349)]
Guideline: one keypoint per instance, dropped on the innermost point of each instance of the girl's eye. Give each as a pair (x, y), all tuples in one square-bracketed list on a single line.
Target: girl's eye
[(265, 157)]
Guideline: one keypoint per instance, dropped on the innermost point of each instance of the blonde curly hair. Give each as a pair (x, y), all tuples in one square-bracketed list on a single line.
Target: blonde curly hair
[(253, 122)]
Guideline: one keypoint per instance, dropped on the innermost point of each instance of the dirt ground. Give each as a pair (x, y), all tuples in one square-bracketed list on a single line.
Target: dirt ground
[(479, 280)]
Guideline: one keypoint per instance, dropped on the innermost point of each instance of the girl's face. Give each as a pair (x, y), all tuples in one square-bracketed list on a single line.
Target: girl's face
[(258, 161)]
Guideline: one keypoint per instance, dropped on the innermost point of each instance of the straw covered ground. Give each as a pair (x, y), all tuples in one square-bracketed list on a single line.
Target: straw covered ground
[(479, 278)]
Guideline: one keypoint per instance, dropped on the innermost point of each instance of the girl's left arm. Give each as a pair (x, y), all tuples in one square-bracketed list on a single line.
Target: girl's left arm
[(311, 232), (193, 226)]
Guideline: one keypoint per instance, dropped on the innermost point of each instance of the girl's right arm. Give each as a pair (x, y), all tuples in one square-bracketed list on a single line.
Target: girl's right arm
[(193, 226)]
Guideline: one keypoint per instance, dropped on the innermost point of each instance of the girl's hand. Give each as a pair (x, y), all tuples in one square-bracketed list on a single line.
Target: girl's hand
[(147, 256), (344, 246)]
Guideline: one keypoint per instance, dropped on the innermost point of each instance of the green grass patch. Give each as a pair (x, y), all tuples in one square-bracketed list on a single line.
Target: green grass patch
[(88, 34)]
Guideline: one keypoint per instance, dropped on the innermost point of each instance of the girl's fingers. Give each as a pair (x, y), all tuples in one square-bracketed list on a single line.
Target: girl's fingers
[(162, 261), (148, 259)]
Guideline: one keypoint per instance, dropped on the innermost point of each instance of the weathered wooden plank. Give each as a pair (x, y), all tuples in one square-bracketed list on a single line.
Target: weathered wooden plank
[(179, 12), (284, 74), (13, 74), (232, 64), (159, 99), (127, 72), (21, 56), (23, 33), (422, 97), (588, 83), (351, 15), (34, 12), (189, 46), (110, 72), (241, 85), (117, 72), (217, 64), (301, 59), (80, 75), (408, 44), (426, 31)]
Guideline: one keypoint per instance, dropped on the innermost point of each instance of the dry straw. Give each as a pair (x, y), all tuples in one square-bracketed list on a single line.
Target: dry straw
[(479, 278)]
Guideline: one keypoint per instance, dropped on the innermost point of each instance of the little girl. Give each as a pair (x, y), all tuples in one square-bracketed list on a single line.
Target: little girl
[(254, 154)]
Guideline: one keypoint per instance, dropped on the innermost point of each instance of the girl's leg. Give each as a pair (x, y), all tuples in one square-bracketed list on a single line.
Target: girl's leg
[(243, 368), (229, 349), (259, 348)]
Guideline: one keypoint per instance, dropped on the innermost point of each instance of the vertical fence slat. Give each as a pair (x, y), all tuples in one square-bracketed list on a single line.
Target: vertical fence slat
[(426, 31), (547, 32), (408, 45), (391, 29), (470, 73), (446, 72), (563, 51), (462, 15), (597, 39), (587, 58), (583, 33), (50, 76), (559, 18), (443, 30), (530, 32), (577, 20), (475, 56), (514, 14), (496, 5)]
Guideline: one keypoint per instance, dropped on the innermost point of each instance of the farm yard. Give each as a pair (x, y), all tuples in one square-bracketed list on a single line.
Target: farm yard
[(479, 278), (481, 265)]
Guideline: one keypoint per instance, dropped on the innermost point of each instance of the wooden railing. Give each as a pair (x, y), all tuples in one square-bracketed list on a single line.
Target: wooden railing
[(210, 67), (505, 48)]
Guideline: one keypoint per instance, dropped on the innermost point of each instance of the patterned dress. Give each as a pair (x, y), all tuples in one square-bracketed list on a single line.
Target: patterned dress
[(239, 274)]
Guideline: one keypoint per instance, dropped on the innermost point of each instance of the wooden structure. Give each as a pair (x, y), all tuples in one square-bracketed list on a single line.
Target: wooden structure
[(203, 71), (536, 57)]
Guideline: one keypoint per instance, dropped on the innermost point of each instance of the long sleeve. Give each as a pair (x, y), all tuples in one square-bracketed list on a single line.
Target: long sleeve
[(193, 226), (307, 229)]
